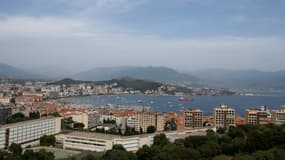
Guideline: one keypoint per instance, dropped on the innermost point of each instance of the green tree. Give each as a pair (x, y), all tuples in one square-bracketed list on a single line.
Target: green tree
[(222, 157), (243, 156), (174, 152), (209, 149), (55, 114), (235, 132), (3, 155), (150, 129), (160, 140), (78, 125), (170, 125), (146, 153), (16, 149), (115, 154), (47, 140), (179, 142), (221, 130), (119, 147), (17, 117), (263, 155), (34, 115), (44, 155), (195, 141)]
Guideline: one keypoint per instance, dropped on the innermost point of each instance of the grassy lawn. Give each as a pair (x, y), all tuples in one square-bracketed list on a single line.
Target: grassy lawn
[(59, 153)]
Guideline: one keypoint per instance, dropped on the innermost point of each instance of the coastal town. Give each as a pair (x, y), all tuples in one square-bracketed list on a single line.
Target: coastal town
[(30, 111)]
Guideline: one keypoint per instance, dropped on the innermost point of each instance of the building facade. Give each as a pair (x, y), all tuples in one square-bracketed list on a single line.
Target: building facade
[(81, 118), (278, 116), (28, 132), (160, 122), (5, 112), (193, 118), (224, 116), (102, 142), (145, 120), (256, 117), (93, 120)]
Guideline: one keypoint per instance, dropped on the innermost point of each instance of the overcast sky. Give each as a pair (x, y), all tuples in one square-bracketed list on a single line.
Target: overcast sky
[(75, 35)]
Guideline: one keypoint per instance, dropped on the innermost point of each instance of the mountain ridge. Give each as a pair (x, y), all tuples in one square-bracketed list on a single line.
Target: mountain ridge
[(242, 78), (157, 74), (11, 72)]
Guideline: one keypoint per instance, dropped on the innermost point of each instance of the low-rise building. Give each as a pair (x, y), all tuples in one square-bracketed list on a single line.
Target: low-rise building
[(90, 141), (102, 142), (5, 100)]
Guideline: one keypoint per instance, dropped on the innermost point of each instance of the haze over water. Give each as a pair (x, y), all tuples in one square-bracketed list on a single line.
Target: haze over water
[(272, 100)]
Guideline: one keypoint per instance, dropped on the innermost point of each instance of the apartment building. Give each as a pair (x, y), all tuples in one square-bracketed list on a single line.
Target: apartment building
[(5, 112), (160, 122), (142, 120), (80, 118), (278, 116), (180, 121), (133, 121), (193, 118), (145, 120), (93, 120), (256, 116), (28, 132), (224, 116)]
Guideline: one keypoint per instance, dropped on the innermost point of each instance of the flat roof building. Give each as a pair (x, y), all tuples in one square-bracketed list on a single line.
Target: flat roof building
[(278, 116), (145, 120), (5, 113), (193, 118), (102, 142), (28, 132), (256, 117), (224, 116)]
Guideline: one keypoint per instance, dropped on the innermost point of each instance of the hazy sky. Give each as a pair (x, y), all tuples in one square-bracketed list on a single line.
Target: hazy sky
[(74, 35)]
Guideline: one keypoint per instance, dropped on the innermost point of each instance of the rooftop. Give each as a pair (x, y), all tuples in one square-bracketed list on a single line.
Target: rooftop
[(26, 122)]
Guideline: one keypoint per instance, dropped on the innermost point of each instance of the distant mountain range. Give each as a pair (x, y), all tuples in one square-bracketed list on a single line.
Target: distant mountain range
[(10, 72), (241, 78), (157, 74), (221, 78)]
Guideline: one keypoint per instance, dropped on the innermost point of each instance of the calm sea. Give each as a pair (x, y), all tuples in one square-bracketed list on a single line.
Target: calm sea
[(271, 99)]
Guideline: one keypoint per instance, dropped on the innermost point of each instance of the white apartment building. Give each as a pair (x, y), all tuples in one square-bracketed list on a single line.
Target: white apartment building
[(28, 132), (278, 116), (93, 120), (224, 116), (133, 121)]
